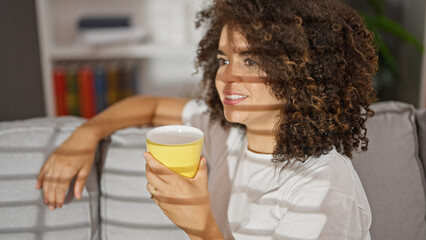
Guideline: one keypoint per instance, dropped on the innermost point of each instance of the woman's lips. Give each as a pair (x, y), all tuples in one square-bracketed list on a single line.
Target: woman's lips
[(232, 98)]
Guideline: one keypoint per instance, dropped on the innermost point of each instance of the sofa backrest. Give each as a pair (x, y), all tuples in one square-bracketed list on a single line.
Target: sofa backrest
[(392, 172), (127, 212), (421, 130)]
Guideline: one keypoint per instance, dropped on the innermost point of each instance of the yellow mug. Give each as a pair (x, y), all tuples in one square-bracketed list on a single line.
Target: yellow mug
[(177, 147)]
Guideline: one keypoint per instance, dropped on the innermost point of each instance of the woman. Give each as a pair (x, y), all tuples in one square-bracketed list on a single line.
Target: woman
[(287, 93)]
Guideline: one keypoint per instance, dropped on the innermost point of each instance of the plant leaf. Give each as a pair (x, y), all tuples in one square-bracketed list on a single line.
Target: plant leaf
[(386, 53), (369, 22), (377, 5), (397, 30)]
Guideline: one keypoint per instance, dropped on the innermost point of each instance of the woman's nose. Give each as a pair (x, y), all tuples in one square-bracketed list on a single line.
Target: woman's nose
[(232, 73)]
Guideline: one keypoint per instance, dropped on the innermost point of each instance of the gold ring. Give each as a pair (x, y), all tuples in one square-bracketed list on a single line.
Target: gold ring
[(153, 193)]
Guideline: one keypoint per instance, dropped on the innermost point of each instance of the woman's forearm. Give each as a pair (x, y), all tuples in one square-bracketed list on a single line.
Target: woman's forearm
[(133, 111)]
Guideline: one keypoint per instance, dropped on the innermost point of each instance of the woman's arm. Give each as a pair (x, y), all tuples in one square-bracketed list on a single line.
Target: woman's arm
[(75, 156), (133, 111)]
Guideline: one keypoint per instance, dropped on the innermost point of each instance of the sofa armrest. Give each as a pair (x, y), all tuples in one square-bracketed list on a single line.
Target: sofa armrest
[(24, 146)]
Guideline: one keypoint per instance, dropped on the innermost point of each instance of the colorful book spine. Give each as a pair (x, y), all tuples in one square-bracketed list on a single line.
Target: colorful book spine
[(60, 92), (86, 92), (113, 86), (100, 89), (128, 86), (72, 92)]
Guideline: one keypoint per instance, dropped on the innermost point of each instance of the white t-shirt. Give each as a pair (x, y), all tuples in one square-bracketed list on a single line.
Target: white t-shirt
[(322, 198)]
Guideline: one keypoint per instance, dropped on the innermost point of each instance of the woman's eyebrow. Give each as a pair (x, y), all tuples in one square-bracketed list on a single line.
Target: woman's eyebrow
[(243, 53), (219, 52)]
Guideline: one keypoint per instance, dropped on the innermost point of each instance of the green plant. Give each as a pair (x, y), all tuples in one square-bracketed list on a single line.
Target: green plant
[(377, 23)]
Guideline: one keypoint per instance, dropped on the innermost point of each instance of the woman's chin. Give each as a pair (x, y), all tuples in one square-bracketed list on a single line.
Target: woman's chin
[(234, 117)]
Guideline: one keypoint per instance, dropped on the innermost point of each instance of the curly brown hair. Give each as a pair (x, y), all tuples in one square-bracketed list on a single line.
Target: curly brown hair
[(319, 58)]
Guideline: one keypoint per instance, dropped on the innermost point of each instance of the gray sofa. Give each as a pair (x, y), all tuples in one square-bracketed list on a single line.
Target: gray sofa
[(115, 204)]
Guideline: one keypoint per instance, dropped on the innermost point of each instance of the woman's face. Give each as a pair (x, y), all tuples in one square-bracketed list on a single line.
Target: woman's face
[(245, 97)]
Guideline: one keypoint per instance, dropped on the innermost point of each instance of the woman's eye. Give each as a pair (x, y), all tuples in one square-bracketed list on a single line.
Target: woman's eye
[(250, 62), (222, 61)]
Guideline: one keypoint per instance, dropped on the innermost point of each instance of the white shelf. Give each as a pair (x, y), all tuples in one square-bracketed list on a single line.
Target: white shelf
[(168, 57), (127, 52)]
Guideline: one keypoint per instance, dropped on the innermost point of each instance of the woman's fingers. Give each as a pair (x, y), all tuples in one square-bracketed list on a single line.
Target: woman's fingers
[(55, 179), (158, 177), (155, 192), (43, 171), (153, 179), (152, 190), (60, 190), (80, 182), (153, 163), (55, 183), (40, 176), (158, 168), (49, 189), (202, 170)]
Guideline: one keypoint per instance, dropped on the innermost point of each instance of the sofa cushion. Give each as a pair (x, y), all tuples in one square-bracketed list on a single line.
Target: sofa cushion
[(24, 147), (421, 130), (392, 173), (127, 212)]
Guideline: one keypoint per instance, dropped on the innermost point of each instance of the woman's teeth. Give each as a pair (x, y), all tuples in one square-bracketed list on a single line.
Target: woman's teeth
[(235, 97)]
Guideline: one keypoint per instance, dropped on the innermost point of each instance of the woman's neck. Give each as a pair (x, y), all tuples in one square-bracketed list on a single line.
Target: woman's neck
[(261, 140)]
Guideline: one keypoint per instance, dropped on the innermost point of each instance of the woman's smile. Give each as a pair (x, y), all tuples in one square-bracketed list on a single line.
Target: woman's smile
[(233, 98)]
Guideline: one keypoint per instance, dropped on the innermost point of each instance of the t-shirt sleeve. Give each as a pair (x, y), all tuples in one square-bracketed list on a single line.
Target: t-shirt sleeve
[(195, 114)]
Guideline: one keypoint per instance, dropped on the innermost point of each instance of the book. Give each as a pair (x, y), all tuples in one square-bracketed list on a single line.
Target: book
[(128, 81), (86, 92), (113, 87), (100, 89), (72, 92), (60, 91)]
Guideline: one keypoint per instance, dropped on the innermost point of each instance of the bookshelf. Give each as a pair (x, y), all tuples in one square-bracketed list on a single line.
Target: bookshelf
[(164, 59)]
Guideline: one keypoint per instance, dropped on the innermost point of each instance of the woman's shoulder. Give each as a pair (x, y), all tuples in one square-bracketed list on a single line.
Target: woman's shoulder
[(332, 162), (194, 106), (332, 170), (195, 113)]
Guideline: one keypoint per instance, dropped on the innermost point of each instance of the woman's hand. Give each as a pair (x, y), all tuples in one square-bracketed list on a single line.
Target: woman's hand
[(185, 201), (74, 157)]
